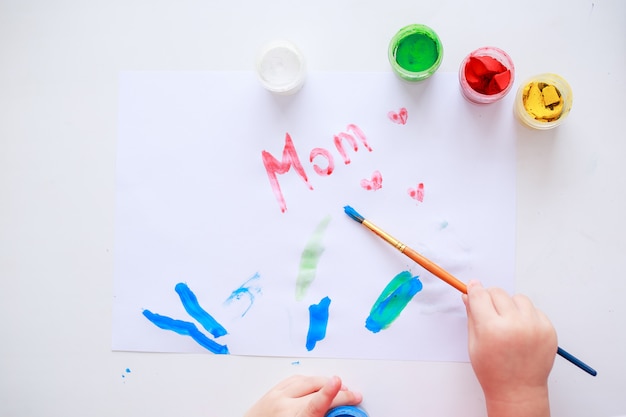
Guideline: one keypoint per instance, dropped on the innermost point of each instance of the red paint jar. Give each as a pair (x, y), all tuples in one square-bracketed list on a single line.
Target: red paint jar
[(486, 75)]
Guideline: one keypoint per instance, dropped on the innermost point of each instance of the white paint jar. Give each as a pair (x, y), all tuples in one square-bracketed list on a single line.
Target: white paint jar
[(281, 67)]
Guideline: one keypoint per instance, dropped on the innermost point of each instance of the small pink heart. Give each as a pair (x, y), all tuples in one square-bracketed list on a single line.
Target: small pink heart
[(376, 183), (417, 193), (399, 117)]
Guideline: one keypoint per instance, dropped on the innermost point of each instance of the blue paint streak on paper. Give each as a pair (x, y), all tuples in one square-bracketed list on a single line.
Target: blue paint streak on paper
[(393, 299), (190, 302), (247, 289), (318, 321), (186, 329)]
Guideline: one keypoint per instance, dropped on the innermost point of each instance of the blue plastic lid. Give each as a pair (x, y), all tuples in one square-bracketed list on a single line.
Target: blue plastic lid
[(346, 411)]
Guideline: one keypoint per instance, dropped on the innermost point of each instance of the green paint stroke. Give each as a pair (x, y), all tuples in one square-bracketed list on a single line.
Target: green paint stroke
[(310, 258), (392, 301)]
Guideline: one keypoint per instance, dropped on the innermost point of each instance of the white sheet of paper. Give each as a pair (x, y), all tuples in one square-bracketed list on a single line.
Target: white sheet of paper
[(195, 205)]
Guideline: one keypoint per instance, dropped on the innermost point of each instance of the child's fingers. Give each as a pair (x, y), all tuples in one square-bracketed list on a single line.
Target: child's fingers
[(322, 400), (299, 385), (347, 397), (502, 302), (479, 304), (524, 305)]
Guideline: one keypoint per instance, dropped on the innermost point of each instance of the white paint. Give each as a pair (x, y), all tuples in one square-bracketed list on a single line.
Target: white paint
[(281, 67)]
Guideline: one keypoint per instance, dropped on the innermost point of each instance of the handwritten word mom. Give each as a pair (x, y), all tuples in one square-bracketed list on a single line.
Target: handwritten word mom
[(290, 159)]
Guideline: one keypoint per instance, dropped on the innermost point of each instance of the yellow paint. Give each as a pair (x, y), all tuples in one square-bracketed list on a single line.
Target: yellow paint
[(550, 95), (542, 101)]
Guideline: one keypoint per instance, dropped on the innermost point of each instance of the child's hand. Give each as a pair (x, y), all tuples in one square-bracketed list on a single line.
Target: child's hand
[(512, 346), (304, 396)]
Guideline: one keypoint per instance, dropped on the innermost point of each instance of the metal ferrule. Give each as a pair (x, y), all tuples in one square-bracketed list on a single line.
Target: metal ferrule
[(390, 239)]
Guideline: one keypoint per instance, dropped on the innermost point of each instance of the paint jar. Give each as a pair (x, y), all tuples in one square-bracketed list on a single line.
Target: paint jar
[(346, 411), (281, 68), (543, 101), (486, 75), (415, 52)]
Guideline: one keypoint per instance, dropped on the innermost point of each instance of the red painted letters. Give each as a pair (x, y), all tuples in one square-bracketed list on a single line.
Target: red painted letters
[(290, 159)]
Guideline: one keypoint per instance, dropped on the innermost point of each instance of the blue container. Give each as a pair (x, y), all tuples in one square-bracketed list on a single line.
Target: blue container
[(346, 411)]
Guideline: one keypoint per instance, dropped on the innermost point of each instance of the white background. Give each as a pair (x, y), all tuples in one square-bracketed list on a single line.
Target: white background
[(59, 66)]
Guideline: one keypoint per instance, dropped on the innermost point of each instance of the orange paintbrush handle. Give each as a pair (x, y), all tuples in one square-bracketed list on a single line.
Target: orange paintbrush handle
[(435, 269)]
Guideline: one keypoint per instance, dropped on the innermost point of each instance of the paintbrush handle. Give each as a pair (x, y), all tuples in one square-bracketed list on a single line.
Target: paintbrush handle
[(435, 269), (421, 260), (573, 359)]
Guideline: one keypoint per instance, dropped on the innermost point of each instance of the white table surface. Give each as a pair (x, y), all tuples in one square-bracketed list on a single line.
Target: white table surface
[(59, 63)]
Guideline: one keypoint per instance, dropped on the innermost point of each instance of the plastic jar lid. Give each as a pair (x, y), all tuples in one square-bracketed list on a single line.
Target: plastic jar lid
[(346, 411), (281, 67)]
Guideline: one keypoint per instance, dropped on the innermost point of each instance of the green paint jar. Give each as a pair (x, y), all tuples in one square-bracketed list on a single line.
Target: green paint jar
[(415, 52)]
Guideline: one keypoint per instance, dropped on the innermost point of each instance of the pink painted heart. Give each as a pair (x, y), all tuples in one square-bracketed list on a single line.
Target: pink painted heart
[(417, 193), (399, 117), (376, 183)]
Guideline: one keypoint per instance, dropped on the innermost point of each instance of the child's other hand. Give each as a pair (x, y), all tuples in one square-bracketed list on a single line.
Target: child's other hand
[(304, 396)]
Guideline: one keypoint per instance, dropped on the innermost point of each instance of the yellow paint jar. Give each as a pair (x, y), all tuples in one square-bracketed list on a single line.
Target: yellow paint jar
[(543, 101)]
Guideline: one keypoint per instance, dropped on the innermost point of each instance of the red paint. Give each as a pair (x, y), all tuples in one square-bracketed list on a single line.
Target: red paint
[(339, 138), (417, 193), (359, 133), (326, 154), (290, 159), (487, 75), (399, 117), (273, 167), (376, 183)]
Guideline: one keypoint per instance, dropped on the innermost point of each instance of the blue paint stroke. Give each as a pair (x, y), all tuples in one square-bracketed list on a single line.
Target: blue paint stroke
[(186, 329), (393, 299), (246, 289), (318, 321), (190, 302)]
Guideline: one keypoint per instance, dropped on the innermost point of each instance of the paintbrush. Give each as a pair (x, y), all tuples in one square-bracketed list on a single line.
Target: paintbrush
[(441, 273)]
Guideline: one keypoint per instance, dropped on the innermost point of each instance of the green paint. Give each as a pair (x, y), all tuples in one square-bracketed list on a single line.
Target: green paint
[(417, 52), (393, 299), (310, 258)]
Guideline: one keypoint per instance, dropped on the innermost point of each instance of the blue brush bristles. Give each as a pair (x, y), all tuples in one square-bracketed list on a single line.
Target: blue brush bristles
[(353, 214)]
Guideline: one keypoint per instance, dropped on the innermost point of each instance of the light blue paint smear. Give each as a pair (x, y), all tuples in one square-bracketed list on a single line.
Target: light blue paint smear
[(190, 302), (186, 329), (318, 320), (392, 301), (310, 258), (248, 289)]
